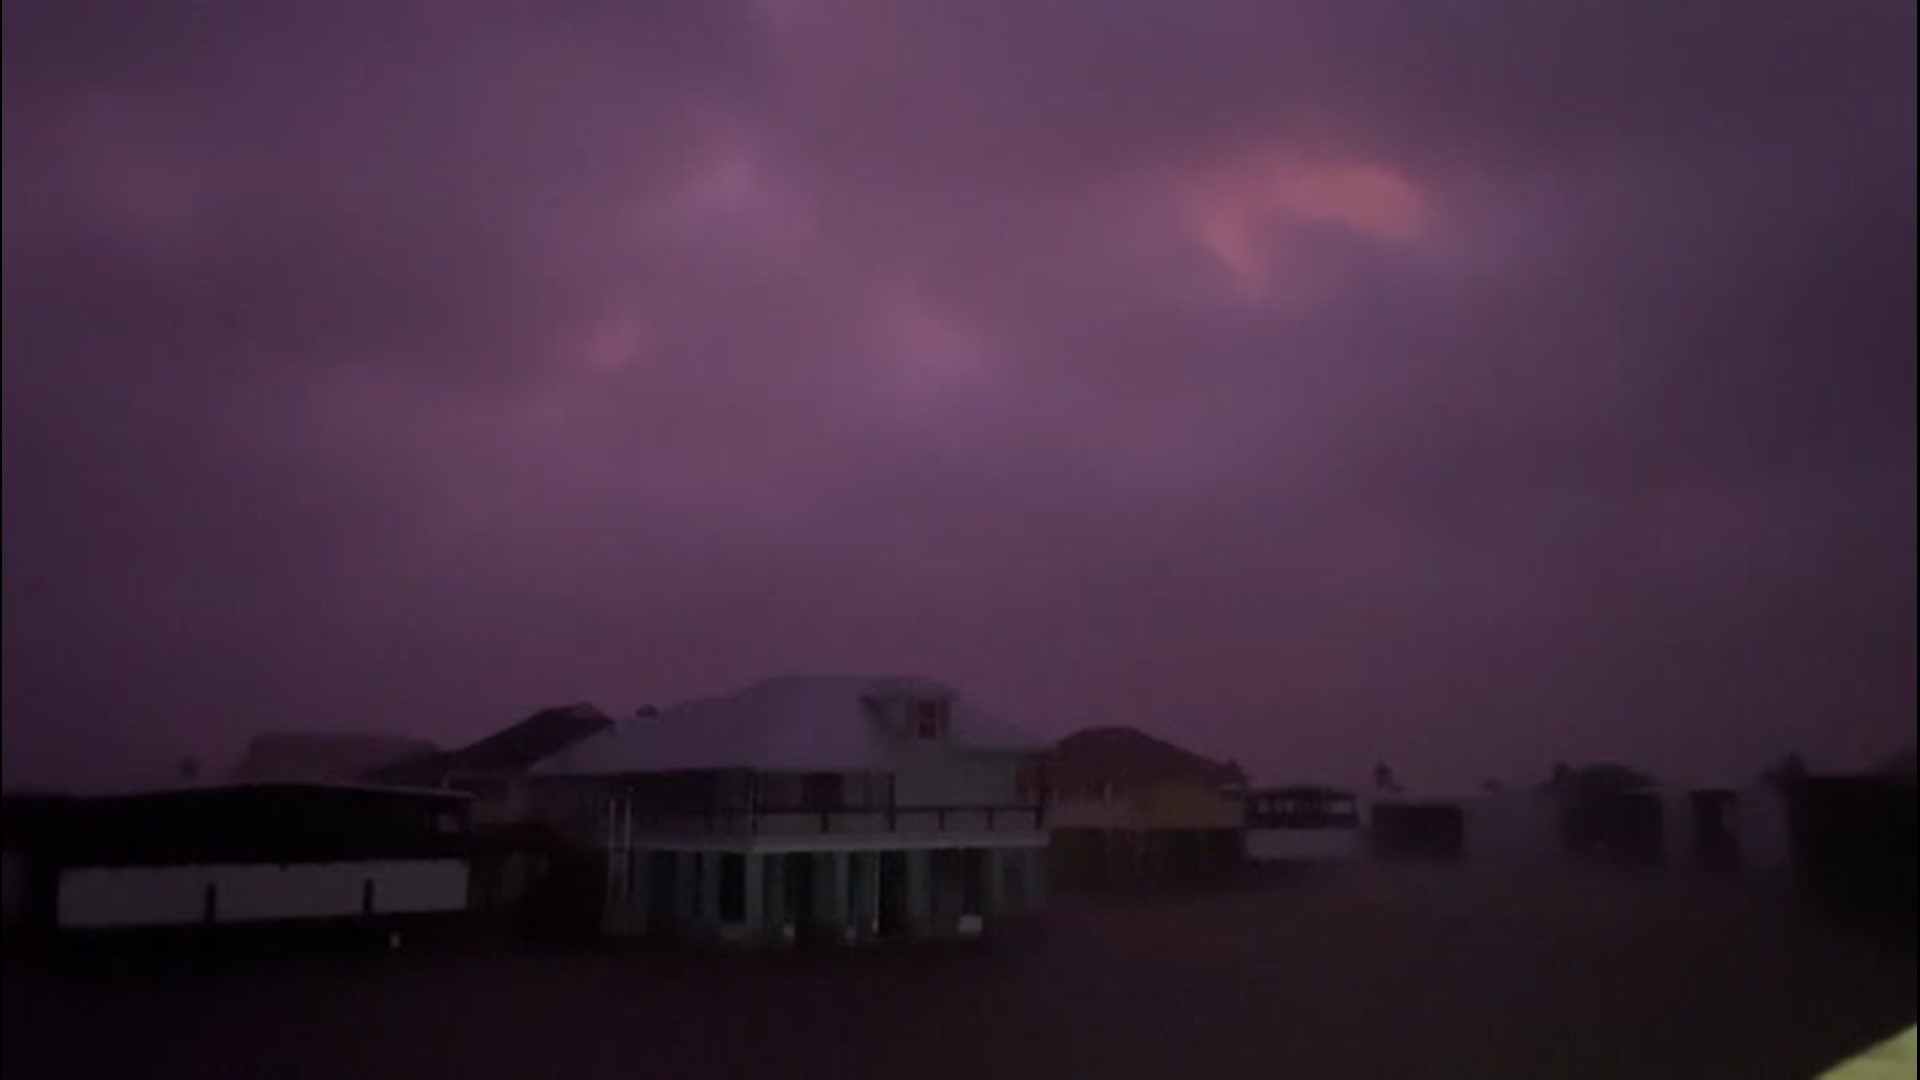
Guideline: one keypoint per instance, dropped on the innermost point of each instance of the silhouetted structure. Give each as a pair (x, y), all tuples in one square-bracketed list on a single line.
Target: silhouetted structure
[(535, 859), (1611, 812), (491, 768)]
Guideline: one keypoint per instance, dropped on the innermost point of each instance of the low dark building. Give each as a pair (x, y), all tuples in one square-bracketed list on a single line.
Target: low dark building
[(213, 857)]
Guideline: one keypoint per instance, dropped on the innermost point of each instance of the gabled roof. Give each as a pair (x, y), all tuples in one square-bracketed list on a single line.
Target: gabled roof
[(511, 750), (793, 723), (1129, 758)]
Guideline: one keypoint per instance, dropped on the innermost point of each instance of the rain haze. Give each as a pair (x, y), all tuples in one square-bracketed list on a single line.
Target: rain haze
[(1467, 385)]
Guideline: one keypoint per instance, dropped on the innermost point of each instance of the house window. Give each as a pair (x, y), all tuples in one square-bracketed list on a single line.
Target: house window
[(930, 719)]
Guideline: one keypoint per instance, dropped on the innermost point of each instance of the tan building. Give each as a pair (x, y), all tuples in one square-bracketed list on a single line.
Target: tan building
[(1127, 809)]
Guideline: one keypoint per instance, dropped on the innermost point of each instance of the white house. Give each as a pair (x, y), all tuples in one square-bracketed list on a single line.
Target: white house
[(823, 809)]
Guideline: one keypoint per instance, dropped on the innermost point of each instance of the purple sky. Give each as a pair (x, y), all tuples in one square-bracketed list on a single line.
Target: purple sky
[(1470, 384)]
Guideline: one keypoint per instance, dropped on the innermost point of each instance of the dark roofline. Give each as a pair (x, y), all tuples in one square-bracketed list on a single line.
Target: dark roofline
[(1168, 761), (512, 749)]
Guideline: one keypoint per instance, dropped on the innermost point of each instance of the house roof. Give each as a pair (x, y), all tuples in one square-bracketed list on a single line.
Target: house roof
[(793, 723), (510, 750), (1129, 758)]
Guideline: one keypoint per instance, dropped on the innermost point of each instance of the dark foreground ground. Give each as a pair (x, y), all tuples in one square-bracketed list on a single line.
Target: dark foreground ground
[(1376, 972)]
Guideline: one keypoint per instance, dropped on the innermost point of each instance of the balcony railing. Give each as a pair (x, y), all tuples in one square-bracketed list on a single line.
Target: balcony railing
[(1304, 819), (883, 820)]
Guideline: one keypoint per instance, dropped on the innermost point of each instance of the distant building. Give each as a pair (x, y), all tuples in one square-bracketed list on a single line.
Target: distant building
[(1612, 813), (813, 809), (1605, 813), (1302, 823), (217, 857), (1723, 825), (1127, 809)]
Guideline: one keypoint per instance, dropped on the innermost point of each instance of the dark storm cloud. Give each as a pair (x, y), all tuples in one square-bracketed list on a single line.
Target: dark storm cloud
[(1475, 384)]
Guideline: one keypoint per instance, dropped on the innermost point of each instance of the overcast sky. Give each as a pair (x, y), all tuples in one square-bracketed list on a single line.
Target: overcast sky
[(1467, 384)]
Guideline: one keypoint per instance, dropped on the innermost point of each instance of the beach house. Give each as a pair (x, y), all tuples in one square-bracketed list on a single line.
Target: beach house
[(824, 810)]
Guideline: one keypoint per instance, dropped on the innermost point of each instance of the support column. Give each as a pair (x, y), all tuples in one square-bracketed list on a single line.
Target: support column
[(633, 919), (686, 892), (820, 918), (866, 895), (775, 889), (993, 864), (835, 908), (919, 892), (755, 888), (709, 892)]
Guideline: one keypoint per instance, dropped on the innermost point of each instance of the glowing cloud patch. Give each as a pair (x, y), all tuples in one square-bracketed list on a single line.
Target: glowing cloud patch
[(1241, 214)]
